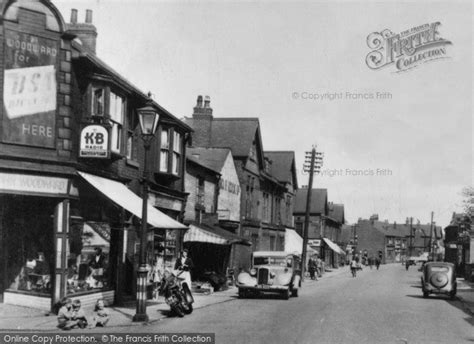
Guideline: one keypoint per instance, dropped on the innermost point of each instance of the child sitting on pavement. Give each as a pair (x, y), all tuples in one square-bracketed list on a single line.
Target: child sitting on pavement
[(78, 314), (65, 316), (101, 315)]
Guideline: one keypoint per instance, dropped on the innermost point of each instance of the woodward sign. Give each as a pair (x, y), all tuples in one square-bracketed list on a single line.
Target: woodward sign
[(30, 184), (94, 142), (29, 89)]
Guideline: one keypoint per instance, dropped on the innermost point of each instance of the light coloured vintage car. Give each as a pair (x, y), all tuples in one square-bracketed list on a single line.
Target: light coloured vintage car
[(272, 272), (438, 278)]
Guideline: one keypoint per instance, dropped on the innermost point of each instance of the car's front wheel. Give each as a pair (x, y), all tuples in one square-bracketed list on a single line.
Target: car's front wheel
[(242, 294), (286, 294), (294, 292), (425, 294)]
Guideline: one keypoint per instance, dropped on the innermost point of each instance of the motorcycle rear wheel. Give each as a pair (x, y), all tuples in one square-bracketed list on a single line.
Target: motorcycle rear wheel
[(188, 309), (178, 310)]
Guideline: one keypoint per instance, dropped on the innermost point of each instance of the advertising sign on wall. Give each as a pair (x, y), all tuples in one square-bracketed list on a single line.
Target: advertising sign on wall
[(94, 142), (29, 89)]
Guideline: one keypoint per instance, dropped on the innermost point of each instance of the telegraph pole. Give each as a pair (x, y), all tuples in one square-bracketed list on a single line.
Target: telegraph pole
[(431, 237), (315, 160), (411, 236)]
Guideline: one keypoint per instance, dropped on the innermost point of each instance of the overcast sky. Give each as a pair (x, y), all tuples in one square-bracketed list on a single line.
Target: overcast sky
[(405, 154)]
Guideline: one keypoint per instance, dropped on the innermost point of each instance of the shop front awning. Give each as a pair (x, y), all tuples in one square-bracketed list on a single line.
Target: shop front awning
[(127, 199), (334, 246), (212, 235), (294, 243)]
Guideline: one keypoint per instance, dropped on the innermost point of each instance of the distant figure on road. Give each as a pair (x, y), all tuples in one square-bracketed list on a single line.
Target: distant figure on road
[(377, 263), (354, 265), (319, 266), (312, 268), (371, 262)]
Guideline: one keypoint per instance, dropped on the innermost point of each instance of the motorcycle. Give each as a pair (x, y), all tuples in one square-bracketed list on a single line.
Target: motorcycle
[(177, 293)]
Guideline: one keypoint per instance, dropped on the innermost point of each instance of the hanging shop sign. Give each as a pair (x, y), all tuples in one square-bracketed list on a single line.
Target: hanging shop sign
[(314, 242), (29, 89), (94, 142)]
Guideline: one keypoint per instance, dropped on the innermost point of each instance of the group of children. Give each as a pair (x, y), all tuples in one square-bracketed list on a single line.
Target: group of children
[(71, 315)]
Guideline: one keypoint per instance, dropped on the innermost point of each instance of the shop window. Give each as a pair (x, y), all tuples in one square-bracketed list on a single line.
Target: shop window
[(88, 259), (29, 257)]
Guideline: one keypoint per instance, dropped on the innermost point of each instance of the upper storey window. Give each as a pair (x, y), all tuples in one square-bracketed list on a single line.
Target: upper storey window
[(35, 6), (108, 107), (171, 150)]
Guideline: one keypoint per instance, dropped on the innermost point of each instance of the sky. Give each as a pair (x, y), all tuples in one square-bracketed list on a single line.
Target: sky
[(396, 144)]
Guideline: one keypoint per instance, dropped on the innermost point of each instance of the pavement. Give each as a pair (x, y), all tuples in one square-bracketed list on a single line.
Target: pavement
[(29, 319), (465, 294)]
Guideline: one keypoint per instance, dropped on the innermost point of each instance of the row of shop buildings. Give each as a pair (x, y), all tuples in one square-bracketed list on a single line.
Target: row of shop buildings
[(71, 173), (392, 242)]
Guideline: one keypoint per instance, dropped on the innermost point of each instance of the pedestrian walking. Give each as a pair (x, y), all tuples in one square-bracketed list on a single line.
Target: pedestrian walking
[(377, 263), (319, 266), (354, 265), (312, 268)]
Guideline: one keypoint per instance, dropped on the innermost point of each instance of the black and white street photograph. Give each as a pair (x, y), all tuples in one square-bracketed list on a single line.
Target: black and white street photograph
[(236, 172)]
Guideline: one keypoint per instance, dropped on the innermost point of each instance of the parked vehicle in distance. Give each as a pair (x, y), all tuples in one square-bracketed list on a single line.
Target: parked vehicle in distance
[(438, 278), (271, 272)]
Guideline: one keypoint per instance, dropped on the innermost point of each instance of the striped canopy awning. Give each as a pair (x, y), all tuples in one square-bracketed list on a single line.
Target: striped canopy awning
[(334, 246), (212, 235)]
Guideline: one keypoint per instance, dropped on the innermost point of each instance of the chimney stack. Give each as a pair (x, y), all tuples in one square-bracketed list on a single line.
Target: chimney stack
[(200, 110), (73, 16), (202, 119), (88, 16), (86, 32)]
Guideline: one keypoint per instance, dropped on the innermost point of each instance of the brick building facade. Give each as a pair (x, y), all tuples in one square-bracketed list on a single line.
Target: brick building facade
[(263, 197), (56, 206)]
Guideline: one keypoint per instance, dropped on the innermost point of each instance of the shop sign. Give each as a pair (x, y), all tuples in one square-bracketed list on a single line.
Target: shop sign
[(29, 89), (223, 214), (314, 242), (94, 142), (29, 184), (165, 203)]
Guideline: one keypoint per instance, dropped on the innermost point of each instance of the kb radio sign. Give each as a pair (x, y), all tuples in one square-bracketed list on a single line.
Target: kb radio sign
[(94, 142)]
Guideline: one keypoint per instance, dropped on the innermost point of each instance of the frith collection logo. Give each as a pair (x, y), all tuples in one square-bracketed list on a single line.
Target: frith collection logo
[(407, 49)]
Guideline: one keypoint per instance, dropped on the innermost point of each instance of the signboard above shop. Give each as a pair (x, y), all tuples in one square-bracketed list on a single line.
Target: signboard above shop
[(29, 89), (94, 142)]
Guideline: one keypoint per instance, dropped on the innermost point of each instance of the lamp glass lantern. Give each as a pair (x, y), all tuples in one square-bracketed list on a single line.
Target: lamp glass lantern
[(148, 117)]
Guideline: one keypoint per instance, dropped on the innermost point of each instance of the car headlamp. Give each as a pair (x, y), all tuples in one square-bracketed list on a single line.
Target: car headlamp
[(253, 272)]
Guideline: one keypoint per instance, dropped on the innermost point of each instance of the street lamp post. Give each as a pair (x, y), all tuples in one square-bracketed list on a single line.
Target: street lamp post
[(148, 123)]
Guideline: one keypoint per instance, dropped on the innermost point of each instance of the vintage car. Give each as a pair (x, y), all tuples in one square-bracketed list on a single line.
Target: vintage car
[(272, 272), (438, 278)]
